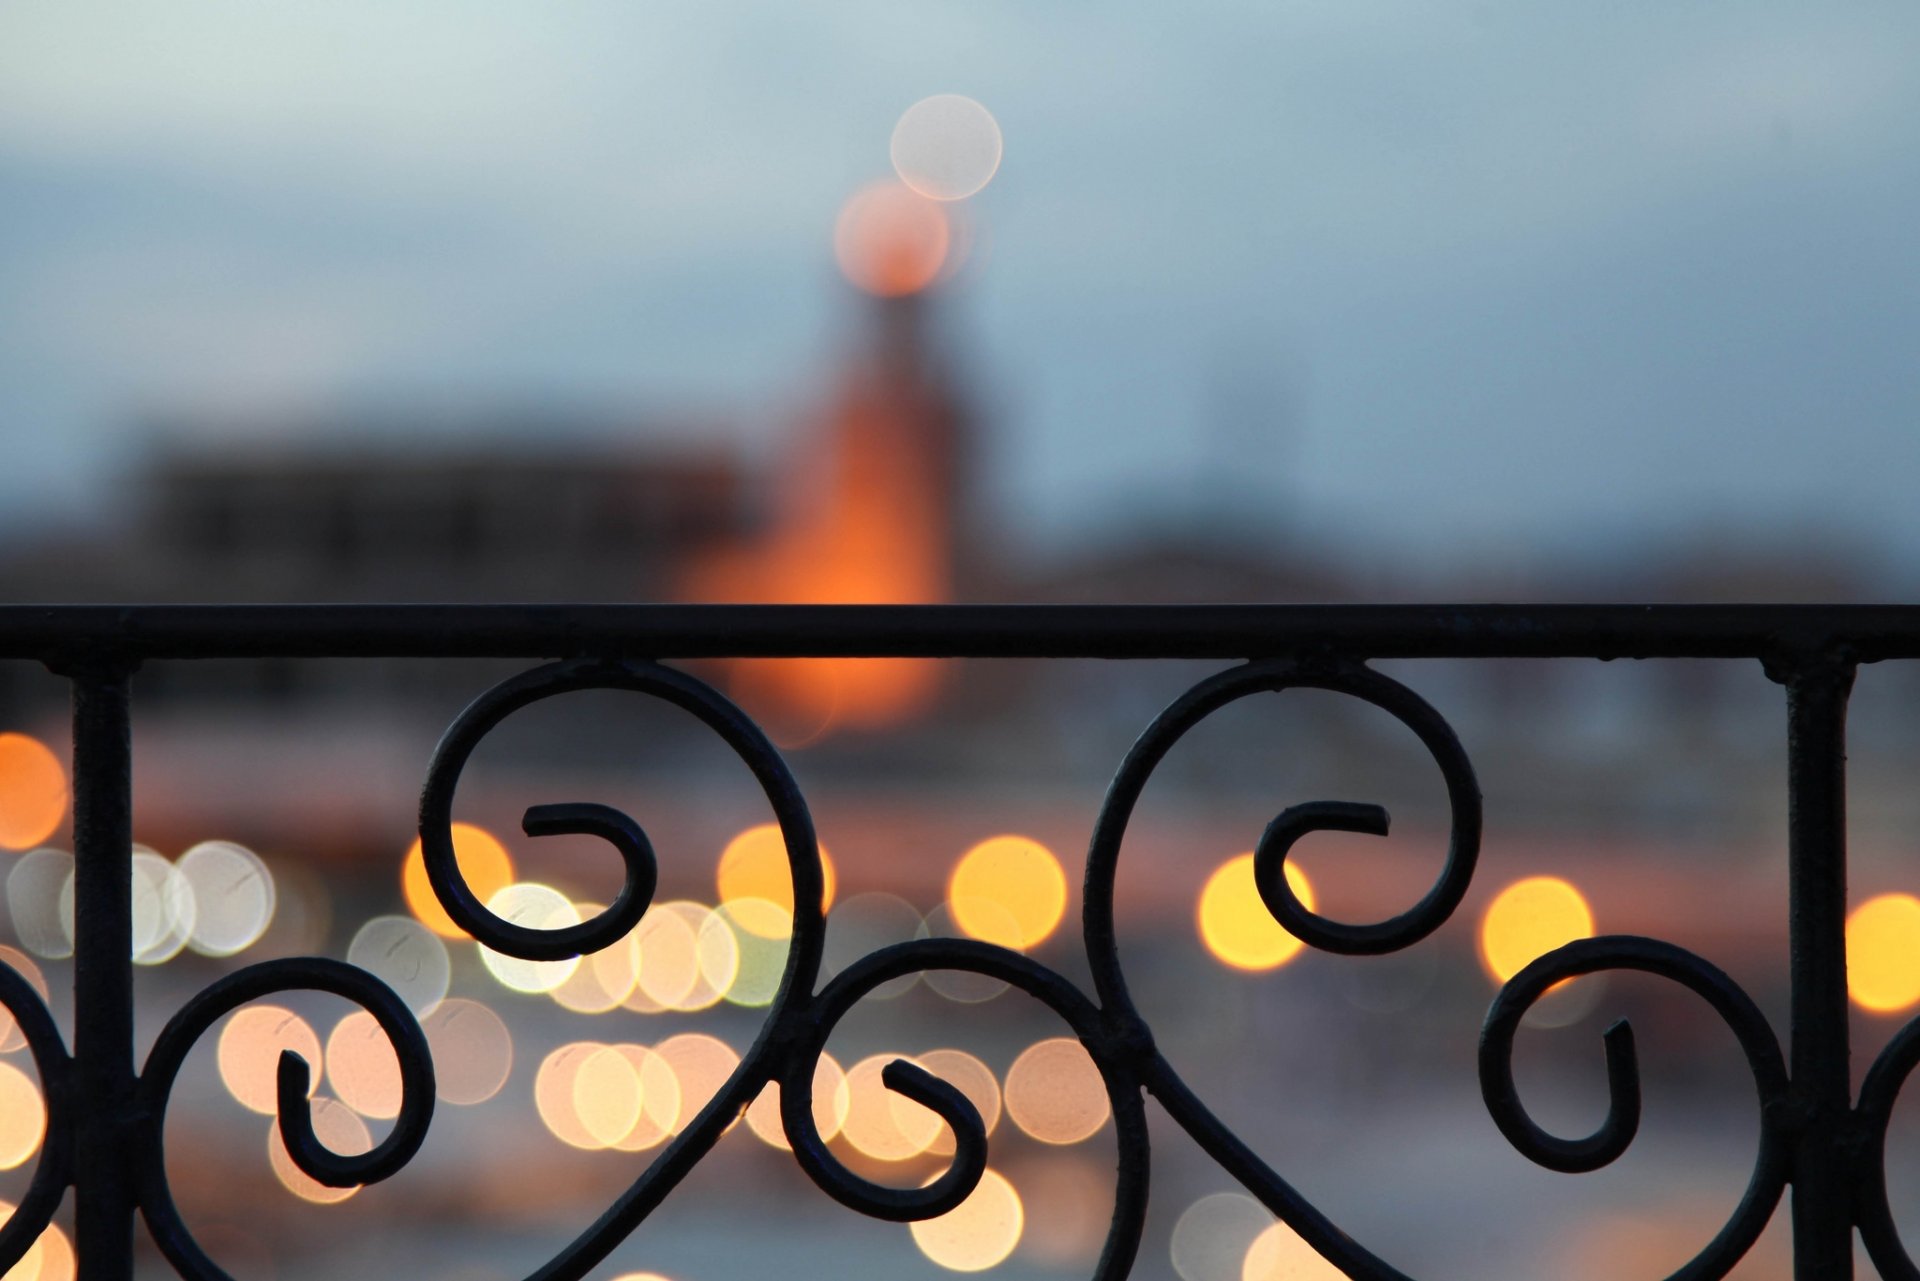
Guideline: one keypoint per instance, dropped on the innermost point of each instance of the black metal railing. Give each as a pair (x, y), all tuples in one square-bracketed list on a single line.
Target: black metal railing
[(105, 1115)]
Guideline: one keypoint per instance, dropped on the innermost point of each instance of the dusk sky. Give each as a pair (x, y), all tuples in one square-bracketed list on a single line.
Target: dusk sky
[(1448, 280)]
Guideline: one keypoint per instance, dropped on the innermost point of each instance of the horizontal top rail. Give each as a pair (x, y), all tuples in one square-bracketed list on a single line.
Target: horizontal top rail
[(65, 633)]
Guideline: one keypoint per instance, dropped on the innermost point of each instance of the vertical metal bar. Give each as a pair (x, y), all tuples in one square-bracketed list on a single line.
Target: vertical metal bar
[(103, 972), (1817, 689)]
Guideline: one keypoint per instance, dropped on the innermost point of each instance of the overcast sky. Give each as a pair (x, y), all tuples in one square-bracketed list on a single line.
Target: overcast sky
[(1449, 278)]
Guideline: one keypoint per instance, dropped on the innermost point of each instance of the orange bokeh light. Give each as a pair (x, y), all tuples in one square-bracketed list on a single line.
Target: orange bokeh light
[(484, 864), (890, 240), (33, 792)]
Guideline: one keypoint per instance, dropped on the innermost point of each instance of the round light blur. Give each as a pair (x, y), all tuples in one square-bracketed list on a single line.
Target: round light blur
[(891, 241), (1528, 919), (660, 1104), (972, 1078), (880, 1123), (1212, 1236), (23, 1117), (1883, 953), (553, 1094), (164, 909), (484, 865), (964, 986), (339, 1130), (34, 1260), (606, 1096), (864, 924), (760, 951), (233, 895), (406, 956), (1008, 890), (33, 900), (701, 1064), (605, 978), (1234, 921), (362, 1066), (754, 866), (1055, 1093), (33, 792), (979, 1232), (1278, 1254), (539, 907), (57, 1259), (946, 147), (11, 1037), (249, 1054), (472, 1051), (831, 1101)]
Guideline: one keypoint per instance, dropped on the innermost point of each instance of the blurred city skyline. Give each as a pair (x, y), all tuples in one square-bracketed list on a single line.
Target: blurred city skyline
[(1451, 289)]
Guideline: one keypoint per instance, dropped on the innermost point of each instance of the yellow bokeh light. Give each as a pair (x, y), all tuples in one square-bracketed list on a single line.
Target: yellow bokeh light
[(689, 957), (532, 906), (249, 1054), (1527, 920), (832, 1099), (1883, 953), (641, 1276), (33, 792), (553, 1094), (362, 1066), (606, 1096), (880, 1123), (1278, 1254), (979, 1232), (472, 1051), (1055, 1093), (23, 1117), (1008, 878), (339, 1130), (754, 867), (1235, 923), (972, 1078), (701, 1064), (484, 864), (659, 1115)]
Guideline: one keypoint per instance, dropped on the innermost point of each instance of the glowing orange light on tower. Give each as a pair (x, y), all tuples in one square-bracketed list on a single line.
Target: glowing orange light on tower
[(1235, 923), (1527, 920), (33, 792), (484, 865), (1883, 953), (890, 240)]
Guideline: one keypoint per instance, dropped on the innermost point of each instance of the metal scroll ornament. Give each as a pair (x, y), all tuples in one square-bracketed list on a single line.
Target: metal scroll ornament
[(1108, 1024)]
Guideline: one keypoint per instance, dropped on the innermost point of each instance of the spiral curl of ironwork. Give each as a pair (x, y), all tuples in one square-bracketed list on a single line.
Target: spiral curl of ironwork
[(800, 1021), (52, 1170), (295, 1121), (1615, 1133)]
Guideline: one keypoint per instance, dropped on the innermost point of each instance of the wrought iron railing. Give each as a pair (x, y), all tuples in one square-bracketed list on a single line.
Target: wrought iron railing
[(105, 1115)]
